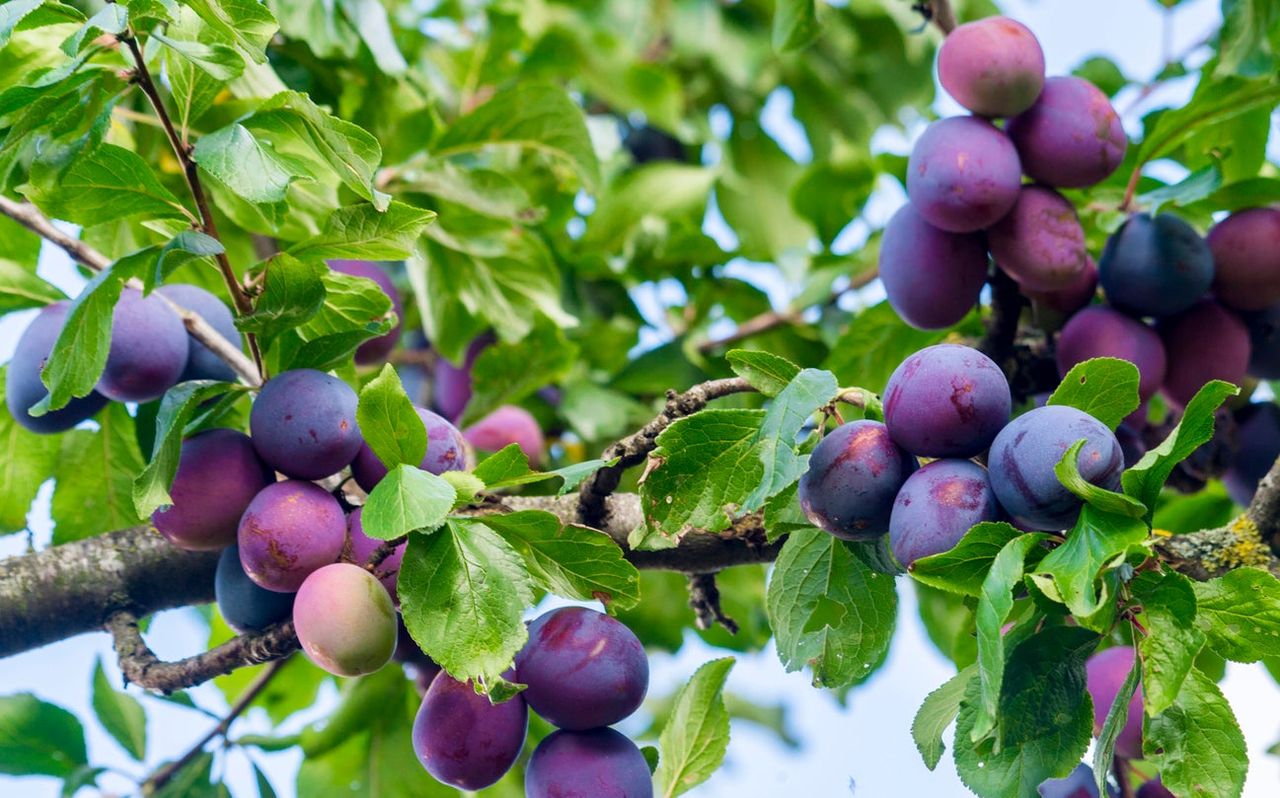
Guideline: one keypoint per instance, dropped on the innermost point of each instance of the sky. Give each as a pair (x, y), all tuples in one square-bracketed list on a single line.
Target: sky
[(862, 749)]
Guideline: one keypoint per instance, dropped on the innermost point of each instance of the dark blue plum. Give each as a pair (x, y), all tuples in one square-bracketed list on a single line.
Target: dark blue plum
[(854, 475), (1025, 452), (937, 505), (599, 763), (1154, 789), (219, 473), (1078, 784), (946, 401), (1155, 267), (931, 277), (148, 349), (1257, 447), (446, 451), (244, 605), (1131, 444), (1264, 342), (304, 424), (22, 385), (202, 363), (462, 739)]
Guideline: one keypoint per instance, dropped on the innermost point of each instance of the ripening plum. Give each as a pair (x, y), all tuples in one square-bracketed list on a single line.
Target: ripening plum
[(599, 763), (992, 66), (1257, 447), (1106, 672), (1071, 298), (219, 473), (148, 349), (507, 425), (22, 386), (937, 505), (345, 621), (1155, 266), (1071, 137), (1024, 454), (946, 401), (583, 668), (375, 350), (290, 529), (1103, 332), (1078, 784), (1207, 342), (1246, 258), (1264, 342), (446, 451), (303, 424), (854, 474), (451, 389), (244, 605), (462, 739), (1154, 789), (1040, 242), (963, 174), (932, 277), (360, 546), (202, 363)]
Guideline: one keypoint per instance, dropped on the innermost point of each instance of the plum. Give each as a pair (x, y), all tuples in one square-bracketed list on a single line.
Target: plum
[(507, 425), (992, 66), (360, 546), (290, 529), (932, 277), (1078, 784), (1246, 258), (1024, 454), (1073, 297), (1264, 342), (410, 653), (244, 605), (1106, 672), (1071, 137), (1103, 332), (599, 763), (946, 400), (375, 350), (462, 739), (854, 474), (1207, 342), (345, 621), (202, 363), (1154, 789), (446, 451), (1155, 266), (1257, 447), (303, 424), (451, 388), (963, 174), (1040, 243), (1132, 445), (583, 669), (937, 505), (219, 473), (22, 386), (148, 349)]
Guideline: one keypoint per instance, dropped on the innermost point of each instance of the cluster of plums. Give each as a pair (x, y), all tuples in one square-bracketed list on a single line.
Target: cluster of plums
[(583, 672), (952, 403)]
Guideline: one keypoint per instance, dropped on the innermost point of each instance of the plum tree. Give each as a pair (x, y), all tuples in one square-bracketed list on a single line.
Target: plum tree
[(303, 424), (148, 351), (1100, 331), (1155, 266), (853, 476), (583, 669), (1258, 438), (992, 66), (345, 620), (946, 401), (937, 505), (290, 529), (375, 350), (244, 605), (202, 363), (1040, 242), (218, 475), (507, 425), (23, 388), (931, 277), (963, 174), (1246, 258), (463, 739), (1071, 137), (360, 546), (446, 451), (1106, 672), (598, 763), (1206, 342)]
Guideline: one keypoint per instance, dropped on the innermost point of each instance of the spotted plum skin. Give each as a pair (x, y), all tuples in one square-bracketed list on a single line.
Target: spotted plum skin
[(22, 386), (583, 669), (148, 349), (290, 529), (507, 425), (1103, 332), (202, 363), (451, 388), (1040, 243), (303, 424), (243, 605), (946, 401), (360, 546), (937, 505), (1071, 298), (1071, 137), (375, 350), (1024, 454), (599, 763), (1246, 258), (446, 451), (1207, 342), (1078, 784), (963, 174), (1105, 672), (345, 620), (992, 66), (462, 739), (1258, 446), (1264, 342), (932, 277), (1155, 266), (218, 475), (854, 474)]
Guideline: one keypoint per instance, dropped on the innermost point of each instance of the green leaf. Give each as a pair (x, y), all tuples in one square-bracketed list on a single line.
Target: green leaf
[(151, 488), (571, 561), (39, 739), (874, 343), (193, 780), (1243, 39), (462, 592), (293, 291), (795, 24), (1214, 102), (1098, 539), (1067, 470), (174, 254), (370, 20), (768, 373), (696, 736), (829, 610), (1239, 612), (963, 568), (509, 467), (810, 391), (12, 13), (108, 183), (407, 499), (1117, 718), (364, 232), (355, 309), (120, 713), (1196, 743), (248, 167), (108, 19), (937, 713), (1172, 641), (29, 460), (388, 421), (1104, 387), (247, 23), (1192, 188), (505, 373), (94, 478), (218, 60), (653, 191)]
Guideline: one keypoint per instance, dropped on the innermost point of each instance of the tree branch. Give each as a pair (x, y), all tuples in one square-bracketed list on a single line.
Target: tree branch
[(943, 15), (704, 598)]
